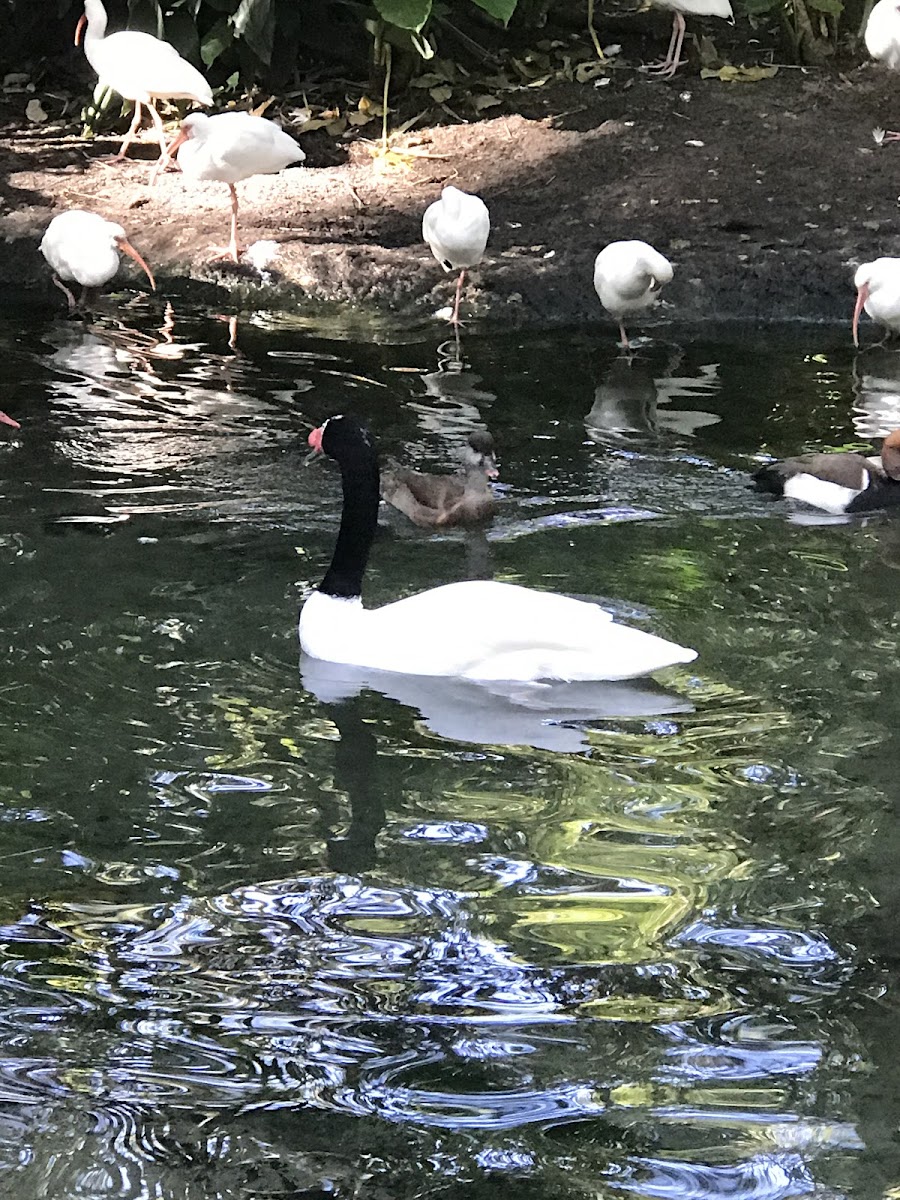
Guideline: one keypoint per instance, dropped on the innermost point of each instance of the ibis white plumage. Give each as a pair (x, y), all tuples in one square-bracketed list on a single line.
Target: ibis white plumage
[(667, 67), (628, 277), (877, 286), (140, 68), (457, 227), (231, 147), (882, 38), (82, 247)]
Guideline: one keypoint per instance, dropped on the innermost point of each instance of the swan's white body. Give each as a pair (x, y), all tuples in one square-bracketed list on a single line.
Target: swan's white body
[(485, 631), (138, 66), (878, 290), (233, 146), (83, 247), (456, 227), (882, 33), (628, 277)]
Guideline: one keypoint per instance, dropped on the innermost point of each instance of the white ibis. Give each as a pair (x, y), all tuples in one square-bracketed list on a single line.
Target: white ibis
[(882, 37), (627, 278), (667, 67), (83, 247), (878, 291), (231, 147), (140, 68), (840, 482), (456, 227)]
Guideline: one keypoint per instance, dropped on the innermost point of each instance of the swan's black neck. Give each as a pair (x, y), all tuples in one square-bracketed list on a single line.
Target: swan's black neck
[(359, 520)]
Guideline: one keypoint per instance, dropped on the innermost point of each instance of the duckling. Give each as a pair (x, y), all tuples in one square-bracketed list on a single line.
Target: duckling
[(437, 500)]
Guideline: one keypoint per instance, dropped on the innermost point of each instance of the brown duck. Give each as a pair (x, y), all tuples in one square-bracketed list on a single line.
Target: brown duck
[(838, 482), (436, 500)]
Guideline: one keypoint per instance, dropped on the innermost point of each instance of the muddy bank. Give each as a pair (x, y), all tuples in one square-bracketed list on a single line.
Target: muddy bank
[(764, 195)]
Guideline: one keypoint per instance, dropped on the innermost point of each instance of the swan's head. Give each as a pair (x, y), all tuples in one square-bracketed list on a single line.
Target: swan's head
[(480, 454), (341, 437)]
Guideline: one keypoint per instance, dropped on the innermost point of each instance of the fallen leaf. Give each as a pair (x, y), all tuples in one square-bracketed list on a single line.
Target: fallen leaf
[(479, 103), (440, 94), (360, 118), (34, 111), (730, 74), (587, 71), (336, 127)]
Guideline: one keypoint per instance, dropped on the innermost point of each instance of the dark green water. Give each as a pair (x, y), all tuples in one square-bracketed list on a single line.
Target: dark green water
[(257, 943)]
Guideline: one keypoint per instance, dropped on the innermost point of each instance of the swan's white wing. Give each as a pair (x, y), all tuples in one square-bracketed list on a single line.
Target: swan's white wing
[(486, 630)]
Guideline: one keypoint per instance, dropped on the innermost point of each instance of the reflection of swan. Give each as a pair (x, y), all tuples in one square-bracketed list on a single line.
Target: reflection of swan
[(627, 401), (548, 716)]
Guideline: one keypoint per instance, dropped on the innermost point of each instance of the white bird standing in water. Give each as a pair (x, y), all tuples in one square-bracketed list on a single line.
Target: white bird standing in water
[(627, 278), (456, 227), (882, 37), (667, 67), (140, 68), (231, 147), (878, 291), (84, 248)]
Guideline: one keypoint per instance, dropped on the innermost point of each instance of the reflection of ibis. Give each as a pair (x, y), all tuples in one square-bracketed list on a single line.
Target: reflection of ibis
[(82, 247), (627, 402), (140, 68)]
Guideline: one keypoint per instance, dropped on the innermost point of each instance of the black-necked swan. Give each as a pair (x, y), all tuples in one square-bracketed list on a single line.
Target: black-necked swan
[(628, 277), (474, 630), (439, 500), (456, 227), (839, 482)]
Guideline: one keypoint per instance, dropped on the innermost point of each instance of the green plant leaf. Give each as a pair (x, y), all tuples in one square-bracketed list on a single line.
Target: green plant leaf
[(406, 14), (501, 9), (255, 22), (217, 41)]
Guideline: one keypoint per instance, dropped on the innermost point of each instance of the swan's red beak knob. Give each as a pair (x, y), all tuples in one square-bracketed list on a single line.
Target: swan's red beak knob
[(315, 440)]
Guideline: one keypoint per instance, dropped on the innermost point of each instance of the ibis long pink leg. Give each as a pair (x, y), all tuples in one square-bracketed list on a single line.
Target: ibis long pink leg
[(163, 160), (673, 60), (65, 291), (233, 250), (131, 134), (454, 320), (623, 338)]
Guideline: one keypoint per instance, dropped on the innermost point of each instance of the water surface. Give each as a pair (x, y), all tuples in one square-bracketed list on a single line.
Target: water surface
[(273, 935)]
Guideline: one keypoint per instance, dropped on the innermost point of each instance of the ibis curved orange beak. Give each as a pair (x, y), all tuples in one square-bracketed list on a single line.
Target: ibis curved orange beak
[(126, 247), (79, 28), (862, 296), (5, 420)]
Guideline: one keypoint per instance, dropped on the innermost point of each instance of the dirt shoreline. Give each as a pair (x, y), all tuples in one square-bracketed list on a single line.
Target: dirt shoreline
[(765, 195)]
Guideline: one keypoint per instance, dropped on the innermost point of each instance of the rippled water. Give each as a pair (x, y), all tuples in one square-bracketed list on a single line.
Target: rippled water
[(264, 935)]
